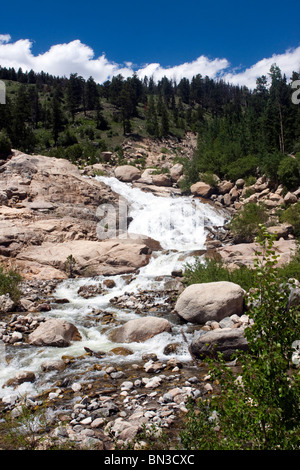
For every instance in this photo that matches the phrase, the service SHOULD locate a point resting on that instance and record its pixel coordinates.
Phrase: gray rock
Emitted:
(139, 330)
(201, 189)
(127, 173)
(226, 323)
(224, 340)
(6, 304)
(290, 198)
(58, 364)
(213, 301)
(54, 332)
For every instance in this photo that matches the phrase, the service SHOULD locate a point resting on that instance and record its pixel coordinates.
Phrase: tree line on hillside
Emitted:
(239, 130)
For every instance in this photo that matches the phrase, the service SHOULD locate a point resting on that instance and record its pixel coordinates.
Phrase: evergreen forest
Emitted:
(240, 131)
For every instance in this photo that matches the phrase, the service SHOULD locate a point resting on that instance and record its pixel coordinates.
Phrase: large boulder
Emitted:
(139, 330)
(281, 231)
(54, 332)
(225, 186)
(224, 340)
(201, 189)
(127, 173)
(213, 301)
(161, 180)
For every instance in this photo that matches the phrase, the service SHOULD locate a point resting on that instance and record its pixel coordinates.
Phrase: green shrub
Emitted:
(74, 152)
(292, 216)
(291, 270)
(5, 145)
(250, 180)
(9, 280)
(269, 164)
(67, 138)
(242, 167)
(213, 271)
(245, 225)
(289, 172)
(209, 178)
(58, 152)
(257, 404)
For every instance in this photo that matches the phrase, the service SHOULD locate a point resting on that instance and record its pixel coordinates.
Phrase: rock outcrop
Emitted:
(91, 258)
(49, 211)
(243, 254)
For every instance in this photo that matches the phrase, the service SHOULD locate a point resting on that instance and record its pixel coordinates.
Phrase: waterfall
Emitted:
(179, 224)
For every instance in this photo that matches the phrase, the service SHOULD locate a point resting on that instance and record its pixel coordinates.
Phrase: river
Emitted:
(179, 224)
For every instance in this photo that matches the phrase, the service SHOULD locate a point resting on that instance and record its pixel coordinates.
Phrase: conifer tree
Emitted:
(165, 126)
(91, 94)
(151, 118)
(57, 117)
(22, 134)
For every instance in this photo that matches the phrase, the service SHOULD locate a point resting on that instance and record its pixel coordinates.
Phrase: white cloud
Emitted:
(76, 57)
(202, 65)
(288, 62)
(4, 38)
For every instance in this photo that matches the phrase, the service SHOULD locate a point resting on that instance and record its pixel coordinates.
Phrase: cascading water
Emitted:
(179, 225)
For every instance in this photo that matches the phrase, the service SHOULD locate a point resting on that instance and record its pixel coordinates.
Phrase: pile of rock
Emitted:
(117, 415)
(159, 183)
(233, 195)
(226, 336)
(38, 331)
(18, 328)
(219, 308)
(87, 291)
(144, 301)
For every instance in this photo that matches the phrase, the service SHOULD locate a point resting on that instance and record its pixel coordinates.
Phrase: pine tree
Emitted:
(57, 117)
(91, 94)
(151, 118)
(22, 134)
(75, 92)
(165, 127)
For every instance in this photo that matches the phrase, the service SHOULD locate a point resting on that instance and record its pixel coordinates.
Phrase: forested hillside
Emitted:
(239, 130)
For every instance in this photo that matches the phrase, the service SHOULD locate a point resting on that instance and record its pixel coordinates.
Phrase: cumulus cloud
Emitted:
(288, 63)
(202, 65)
(76, 57)
(4, 38)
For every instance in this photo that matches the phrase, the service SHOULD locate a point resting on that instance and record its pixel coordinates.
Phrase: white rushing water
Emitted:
(179, 224)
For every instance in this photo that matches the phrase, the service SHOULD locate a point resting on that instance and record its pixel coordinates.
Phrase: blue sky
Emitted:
(230, 37)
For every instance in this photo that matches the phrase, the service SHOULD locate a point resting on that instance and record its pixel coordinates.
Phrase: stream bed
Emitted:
(180, 224)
